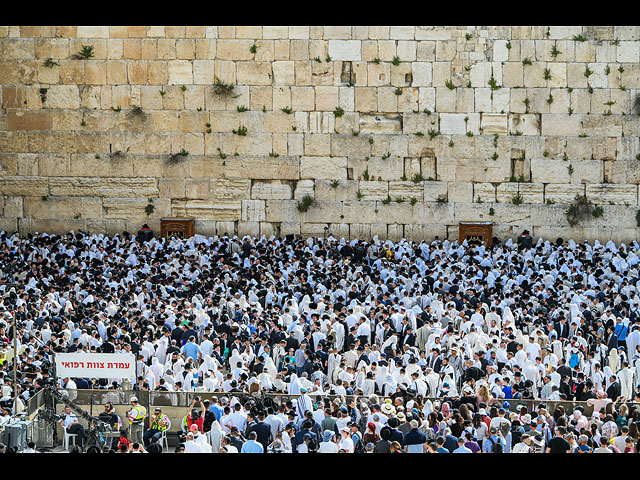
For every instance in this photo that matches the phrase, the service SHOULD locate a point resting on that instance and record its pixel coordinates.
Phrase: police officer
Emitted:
(136, 416)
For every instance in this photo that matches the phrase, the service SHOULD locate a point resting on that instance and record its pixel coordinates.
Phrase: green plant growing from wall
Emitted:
(526, 61)
(241, 131)
(598, 212)
(579, 38)
(413, 201)
(338, 112)
(554, 51)
(449, 84)
(517, 199)
(253, 49)
(398, 91)
(150, 208)
(86, 52)
(50, 63)
(376, 61)
(386, 201)
(223, 89)
(547, 74)
(579, 210)
(43, 94)
(417, 178)
(306, 203)
(242, 108)
(396, 61)
(359, 195)
(365, 175)
(335, 184)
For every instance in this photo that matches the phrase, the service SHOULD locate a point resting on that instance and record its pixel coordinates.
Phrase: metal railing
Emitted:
(152, 399)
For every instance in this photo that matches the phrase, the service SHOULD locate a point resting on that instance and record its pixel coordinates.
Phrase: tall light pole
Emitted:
(15, 364)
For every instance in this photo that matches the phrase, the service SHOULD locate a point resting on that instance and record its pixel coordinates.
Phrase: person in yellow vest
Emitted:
(158, 423)
(136, 418)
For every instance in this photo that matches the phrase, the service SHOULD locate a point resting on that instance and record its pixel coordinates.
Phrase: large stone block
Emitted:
(610, 193)
(230, 189)
(62, 207)
(544, 170)
(380, 124)
(103, 187)
(350, 50)
(207, 210)
(262, 168)
(323, 168)
(253, 211)
(529, 192)
(273, 190)
(336, 190)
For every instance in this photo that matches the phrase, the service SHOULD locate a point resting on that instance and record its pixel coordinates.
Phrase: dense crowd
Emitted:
(438, 339)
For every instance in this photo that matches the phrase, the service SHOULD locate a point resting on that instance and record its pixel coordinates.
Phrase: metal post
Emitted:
(15, 364)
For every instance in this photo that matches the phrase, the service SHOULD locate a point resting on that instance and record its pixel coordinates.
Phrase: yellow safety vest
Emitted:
(158, 425)
(137, 414)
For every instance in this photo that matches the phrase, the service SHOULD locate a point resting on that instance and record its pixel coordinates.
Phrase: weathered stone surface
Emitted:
(323, 168)
(607, 192)
(253, 211)
(64, 147)
(208, 210)
(112, 187)
(230, 189)
(545, 170)
(336, 190)
(64, 207)
(529, 192)
(273, 190)
(380, 124)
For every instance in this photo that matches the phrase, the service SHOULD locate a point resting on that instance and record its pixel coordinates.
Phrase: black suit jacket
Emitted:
(263, 432)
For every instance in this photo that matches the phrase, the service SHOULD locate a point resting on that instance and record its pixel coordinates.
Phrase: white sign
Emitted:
(96, 365)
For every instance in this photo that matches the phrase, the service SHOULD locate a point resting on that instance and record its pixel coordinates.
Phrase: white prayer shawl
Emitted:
(626, 382)
(294, 385)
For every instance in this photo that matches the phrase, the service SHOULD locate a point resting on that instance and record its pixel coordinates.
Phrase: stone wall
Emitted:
(393, 131)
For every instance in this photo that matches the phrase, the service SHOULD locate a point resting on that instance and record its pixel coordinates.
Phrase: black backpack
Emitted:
(516, 434)
(358, 447)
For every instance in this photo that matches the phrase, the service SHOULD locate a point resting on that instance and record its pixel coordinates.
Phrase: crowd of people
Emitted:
(383, 346)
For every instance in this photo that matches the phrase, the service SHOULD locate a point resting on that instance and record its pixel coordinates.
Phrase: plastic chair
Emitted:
(163, 438)
(68, 436)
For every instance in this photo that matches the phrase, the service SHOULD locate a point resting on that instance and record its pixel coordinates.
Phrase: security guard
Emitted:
(136, 416)
(157, 424)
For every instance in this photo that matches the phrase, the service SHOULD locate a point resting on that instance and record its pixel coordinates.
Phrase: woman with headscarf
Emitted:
(370, 436)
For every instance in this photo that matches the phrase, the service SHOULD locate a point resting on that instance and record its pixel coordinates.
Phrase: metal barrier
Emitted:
(152, 399)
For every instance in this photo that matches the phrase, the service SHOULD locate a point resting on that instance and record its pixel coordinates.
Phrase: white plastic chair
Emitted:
(163, 438)
(68, 436)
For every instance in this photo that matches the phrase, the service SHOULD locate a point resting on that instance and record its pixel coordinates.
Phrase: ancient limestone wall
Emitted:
(394, 131)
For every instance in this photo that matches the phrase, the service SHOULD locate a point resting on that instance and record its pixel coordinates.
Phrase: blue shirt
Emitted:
(217, 411)
(487, 444)
(251, 446)
(191, 349)
(462, 449)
